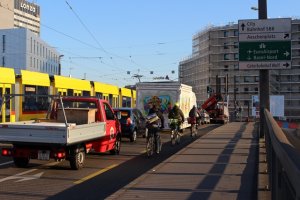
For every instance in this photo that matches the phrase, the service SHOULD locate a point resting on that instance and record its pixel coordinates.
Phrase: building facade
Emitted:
(22, 49)
(215, 61)
(20, 13)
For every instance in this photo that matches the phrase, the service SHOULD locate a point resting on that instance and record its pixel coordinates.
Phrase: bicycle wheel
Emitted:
(150, 146)
(173, 137)
(177, 137)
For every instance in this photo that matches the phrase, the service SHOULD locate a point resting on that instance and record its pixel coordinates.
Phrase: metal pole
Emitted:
(263, 77)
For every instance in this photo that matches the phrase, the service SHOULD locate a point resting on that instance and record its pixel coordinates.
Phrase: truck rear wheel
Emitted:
(77, 159)
(21, 161)
(117, 146)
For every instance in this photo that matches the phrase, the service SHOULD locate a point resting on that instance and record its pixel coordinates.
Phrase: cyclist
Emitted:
(176, 113)
(193, 116)
(154, 127)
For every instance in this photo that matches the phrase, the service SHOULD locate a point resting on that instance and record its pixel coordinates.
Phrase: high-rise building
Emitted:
(215, 55)
(20, 13)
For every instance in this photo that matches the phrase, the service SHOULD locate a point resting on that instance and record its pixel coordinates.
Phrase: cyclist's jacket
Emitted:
(176, 113)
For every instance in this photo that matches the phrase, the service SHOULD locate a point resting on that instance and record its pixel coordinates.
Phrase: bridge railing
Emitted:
(283, 162)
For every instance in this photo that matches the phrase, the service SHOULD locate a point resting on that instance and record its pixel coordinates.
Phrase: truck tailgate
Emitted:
(49, 132)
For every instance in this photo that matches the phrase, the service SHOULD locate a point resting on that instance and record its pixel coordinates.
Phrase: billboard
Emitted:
(276, 105)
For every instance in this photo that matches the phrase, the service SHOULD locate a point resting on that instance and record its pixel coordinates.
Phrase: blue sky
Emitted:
(103, 40)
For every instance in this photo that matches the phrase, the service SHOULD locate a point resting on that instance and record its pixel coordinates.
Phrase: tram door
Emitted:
(5, 105)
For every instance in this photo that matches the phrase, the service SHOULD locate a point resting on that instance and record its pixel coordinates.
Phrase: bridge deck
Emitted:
(220, 165)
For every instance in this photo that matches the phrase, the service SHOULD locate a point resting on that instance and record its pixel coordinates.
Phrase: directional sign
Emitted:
(265, 51)
(265, 44)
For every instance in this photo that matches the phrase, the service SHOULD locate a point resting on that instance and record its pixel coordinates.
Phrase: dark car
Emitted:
(133, 122)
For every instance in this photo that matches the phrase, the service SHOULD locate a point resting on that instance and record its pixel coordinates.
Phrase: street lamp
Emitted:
(59, 64)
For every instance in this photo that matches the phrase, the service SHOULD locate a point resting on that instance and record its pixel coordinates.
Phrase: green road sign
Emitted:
(265, 51)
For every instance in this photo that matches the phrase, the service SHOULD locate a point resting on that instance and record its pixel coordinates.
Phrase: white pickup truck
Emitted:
(74, 127)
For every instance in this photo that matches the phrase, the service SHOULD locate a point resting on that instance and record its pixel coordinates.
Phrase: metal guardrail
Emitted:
(283, 162)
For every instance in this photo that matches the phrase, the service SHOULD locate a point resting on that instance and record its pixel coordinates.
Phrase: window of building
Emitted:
(236, 67)
(288, 77)
(3, 61)
(3, 43)
(226, 45)
(246, 90)
(31, 45)
(247, 79)
(34, 46)
(226, 56)
(256, 89)
(236, 79)
(246, 103)
(225, 33)
(236, 45)
(256, 79)
(225, 68)
(236, 32)
(236, 56)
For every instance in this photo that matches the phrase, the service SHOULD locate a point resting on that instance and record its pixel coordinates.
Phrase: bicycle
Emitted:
(150, 145)
(175, 135)
(193, 122)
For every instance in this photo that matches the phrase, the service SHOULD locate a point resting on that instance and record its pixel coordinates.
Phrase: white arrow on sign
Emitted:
(286, 53)
(23, 177)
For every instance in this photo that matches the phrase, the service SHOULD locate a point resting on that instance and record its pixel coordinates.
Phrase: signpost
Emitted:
(265, 44)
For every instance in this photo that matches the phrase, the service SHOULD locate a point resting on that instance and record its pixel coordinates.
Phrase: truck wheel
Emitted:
(21, 162)
(133, 136)
(117, 146)
(77, 159)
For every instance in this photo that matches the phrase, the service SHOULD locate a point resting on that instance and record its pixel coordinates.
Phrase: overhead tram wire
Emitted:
(102, 48)
(89, 45)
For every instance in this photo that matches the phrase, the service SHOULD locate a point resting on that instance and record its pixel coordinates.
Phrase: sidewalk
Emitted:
(220, 165)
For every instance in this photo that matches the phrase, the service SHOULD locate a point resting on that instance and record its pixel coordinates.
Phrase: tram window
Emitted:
(110, 98)
(85, 93)
(34, 103)
(99, 94)
(70, 92)
(126, 102)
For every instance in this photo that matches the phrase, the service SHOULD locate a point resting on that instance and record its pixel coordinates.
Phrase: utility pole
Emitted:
(264, 98)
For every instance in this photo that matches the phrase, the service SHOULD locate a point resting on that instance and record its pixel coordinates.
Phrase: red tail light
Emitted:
(128, 121)
(60, 155)
(6, 152)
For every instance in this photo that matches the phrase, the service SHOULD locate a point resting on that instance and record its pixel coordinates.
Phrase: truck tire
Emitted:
(133, 136)
(21, 161)
(117, 146)
(77, 159)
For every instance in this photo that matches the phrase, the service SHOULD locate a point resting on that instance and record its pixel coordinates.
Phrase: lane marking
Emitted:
(17, 176)
(95, 174)
(7, 163)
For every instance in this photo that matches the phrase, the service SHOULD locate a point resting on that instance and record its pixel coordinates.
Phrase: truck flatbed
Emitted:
(50, 132)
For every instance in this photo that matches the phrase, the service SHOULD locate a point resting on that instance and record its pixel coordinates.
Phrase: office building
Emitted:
(215, 54)
(19, 13)
(22, 49)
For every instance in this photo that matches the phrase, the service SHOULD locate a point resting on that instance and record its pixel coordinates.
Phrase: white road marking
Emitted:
(6, 163)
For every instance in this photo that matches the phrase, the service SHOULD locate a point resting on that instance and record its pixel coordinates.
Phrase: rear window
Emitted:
(124, 115)
(78, 104)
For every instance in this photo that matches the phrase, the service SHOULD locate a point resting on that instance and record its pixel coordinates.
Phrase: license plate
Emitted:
(43, 154)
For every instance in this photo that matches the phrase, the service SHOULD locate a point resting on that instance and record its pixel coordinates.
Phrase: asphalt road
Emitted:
(102, 175)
